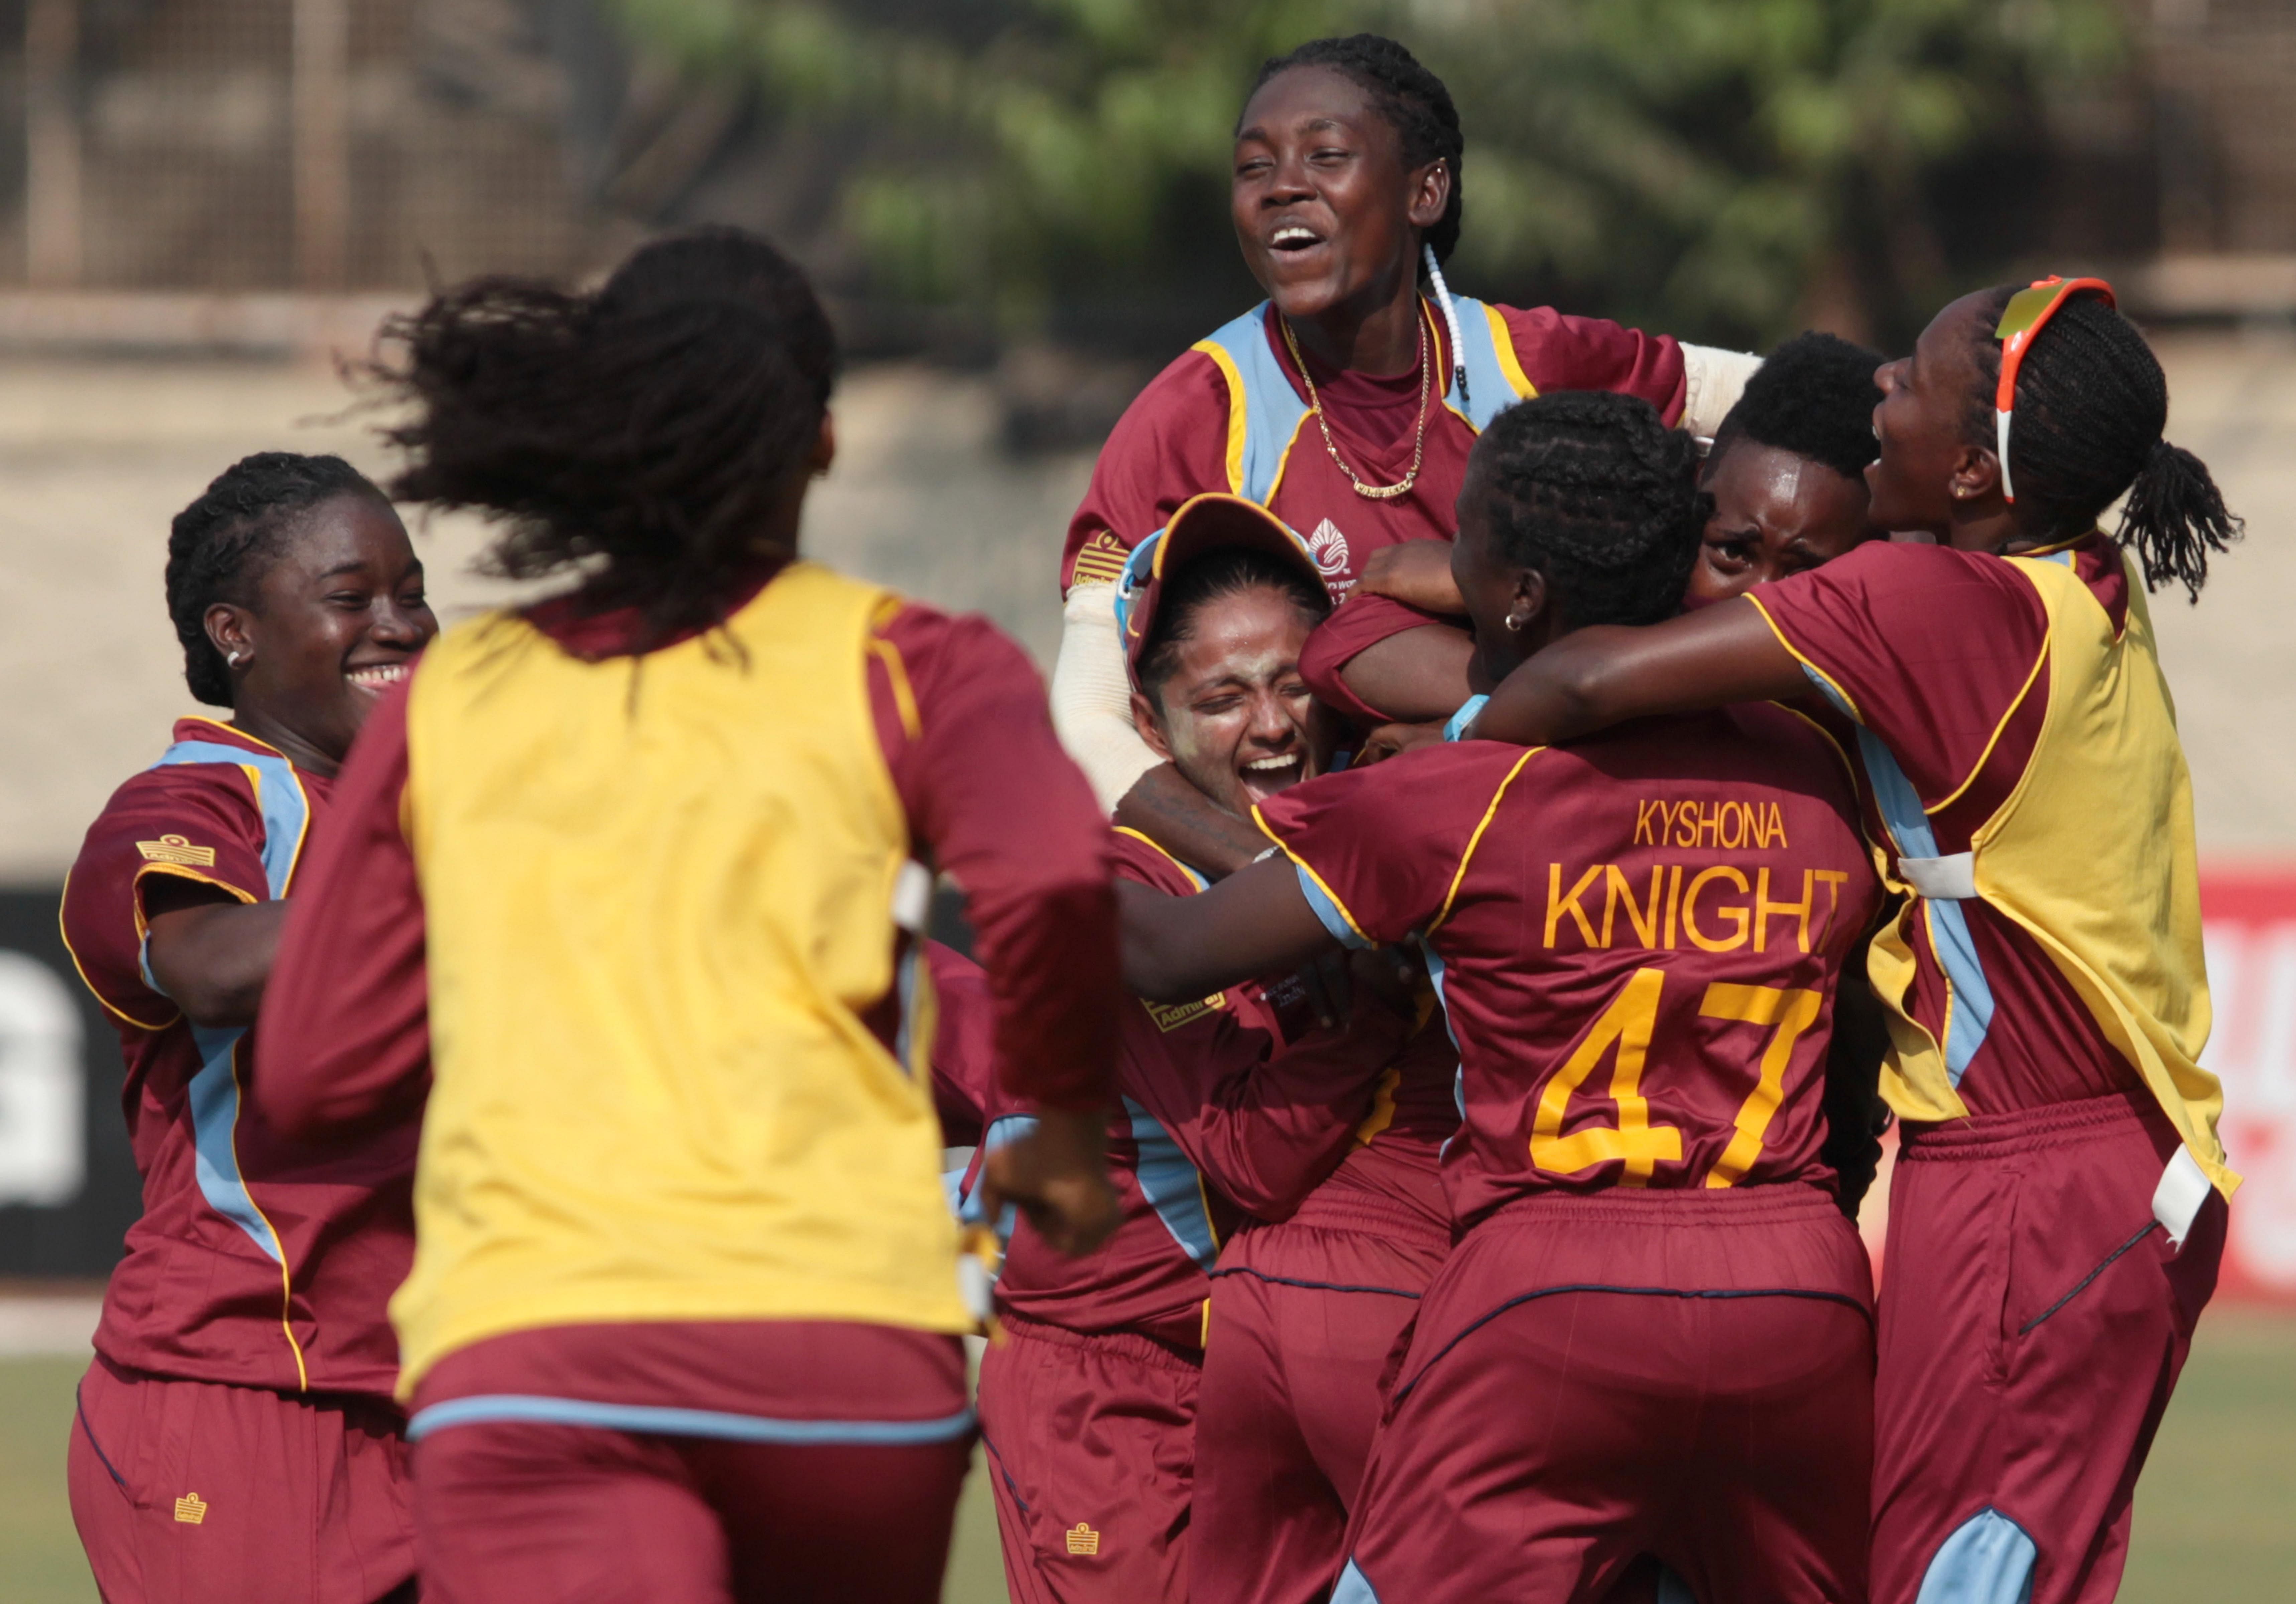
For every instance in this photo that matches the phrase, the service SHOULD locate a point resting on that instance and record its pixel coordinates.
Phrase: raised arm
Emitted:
(1595, 678)
(1256, 921)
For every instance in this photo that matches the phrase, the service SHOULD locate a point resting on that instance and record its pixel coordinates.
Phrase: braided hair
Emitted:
(1413, 99)
(1814, 397)
(643, 431)
(219, 547)
(1214, 577)
(2091, 404)
(1593, 490)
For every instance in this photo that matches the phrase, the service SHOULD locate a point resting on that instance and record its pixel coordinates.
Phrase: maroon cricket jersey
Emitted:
(1945, 655)
(259, 1261)
(1230, 1107)
(1172, 443)
(1397, 1155)
(1635, 939)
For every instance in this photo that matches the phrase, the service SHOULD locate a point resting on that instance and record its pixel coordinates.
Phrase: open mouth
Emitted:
(377, 678)
(1263, 777)
(1292, 238)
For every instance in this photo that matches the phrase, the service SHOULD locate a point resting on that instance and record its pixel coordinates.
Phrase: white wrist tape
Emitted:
(1092, 696)
(1712, 381)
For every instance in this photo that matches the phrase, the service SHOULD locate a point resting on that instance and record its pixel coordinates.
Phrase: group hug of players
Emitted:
(1561, 787)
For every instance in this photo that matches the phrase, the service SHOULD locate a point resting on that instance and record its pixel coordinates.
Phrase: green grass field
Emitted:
(2216, 1513)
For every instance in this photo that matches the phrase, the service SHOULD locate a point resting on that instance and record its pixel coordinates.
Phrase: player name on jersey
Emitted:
(1688, 903)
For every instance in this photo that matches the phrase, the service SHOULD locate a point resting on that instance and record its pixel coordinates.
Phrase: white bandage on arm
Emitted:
(1092, 696)
(1712, 381)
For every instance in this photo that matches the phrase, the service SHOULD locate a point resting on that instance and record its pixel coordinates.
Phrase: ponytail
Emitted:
(2092, 403)
(2175, 517)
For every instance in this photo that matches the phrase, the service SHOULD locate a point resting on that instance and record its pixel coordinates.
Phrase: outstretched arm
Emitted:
(1595, 678)
(1256, 921)
(1164, 806)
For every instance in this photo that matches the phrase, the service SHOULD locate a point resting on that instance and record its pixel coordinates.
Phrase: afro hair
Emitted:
(1814, 397)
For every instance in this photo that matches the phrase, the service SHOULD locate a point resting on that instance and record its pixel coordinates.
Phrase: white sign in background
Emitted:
(43, 1086)
(2252, 1050)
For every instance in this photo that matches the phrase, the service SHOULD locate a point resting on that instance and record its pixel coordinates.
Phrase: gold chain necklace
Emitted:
(1419, 436)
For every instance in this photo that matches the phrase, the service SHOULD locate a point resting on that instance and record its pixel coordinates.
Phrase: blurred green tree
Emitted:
(1716, 167)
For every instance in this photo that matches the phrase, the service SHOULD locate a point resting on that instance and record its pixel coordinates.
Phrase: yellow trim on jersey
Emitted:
(235, 731)
(1127, 830)
(135, 885)
(81, 969)
(1848, 702)
(1308, 870)
(1503, 341)
(1236, 419)
(1284, 462)
(278, 1245)
(1476, 839)
(1994, 739)
(896, 676)
(1848, 763)
(1881, 852)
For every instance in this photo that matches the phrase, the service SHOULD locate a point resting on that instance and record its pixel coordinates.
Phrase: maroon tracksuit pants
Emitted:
(1304, 1317)
(2034, 1319)
(1592, 1379)
(1091, 1448)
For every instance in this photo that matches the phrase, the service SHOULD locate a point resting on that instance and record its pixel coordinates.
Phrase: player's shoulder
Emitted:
(1188, 399)
(1427, 790)
(1902, 585)
(929, 641)
(1135, 856)
(1812, 740)
(204, 770)
(1536, 329)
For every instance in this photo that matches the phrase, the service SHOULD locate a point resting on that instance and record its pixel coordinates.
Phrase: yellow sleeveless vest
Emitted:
(659, 894)
(2092, 855)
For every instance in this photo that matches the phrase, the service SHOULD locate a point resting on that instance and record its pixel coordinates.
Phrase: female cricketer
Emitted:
(630, 882)
(1308, 1309)
(1787, 474)
(236, 1442)
(1655, 1336)
(1345, 403)
(2057, 1212)
(1234, 1107)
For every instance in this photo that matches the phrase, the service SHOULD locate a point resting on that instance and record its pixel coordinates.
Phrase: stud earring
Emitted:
(232, 660)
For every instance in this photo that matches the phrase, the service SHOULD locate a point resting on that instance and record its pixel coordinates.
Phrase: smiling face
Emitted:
(1930, 472)
(1774, 514)
(1328, 216)
(1234, 715)
(336, 618)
